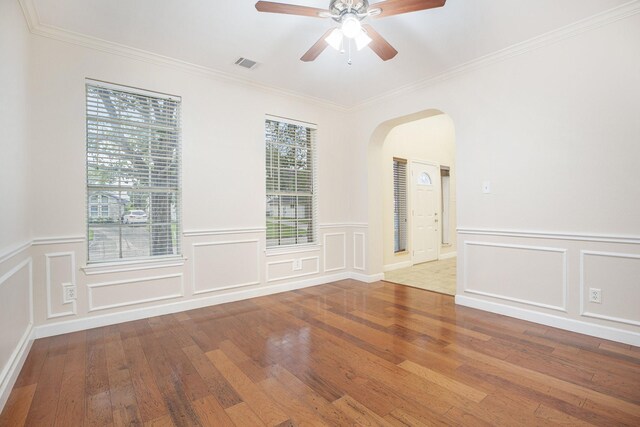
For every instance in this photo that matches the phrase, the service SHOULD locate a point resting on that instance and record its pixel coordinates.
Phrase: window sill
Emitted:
(285, 250)
(143, 264)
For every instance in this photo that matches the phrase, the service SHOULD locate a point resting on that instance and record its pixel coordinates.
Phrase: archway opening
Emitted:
(412, 201)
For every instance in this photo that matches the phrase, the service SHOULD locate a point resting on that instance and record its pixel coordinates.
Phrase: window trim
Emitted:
(306, 246)
(151, 259)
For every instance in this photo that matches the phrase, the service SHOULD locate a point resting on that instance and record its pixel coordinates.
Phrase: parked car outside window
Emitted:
(135, 217)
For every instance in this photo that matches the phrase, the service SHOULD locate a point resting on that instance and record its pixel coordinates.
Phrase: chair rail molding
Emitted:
(15, 250)
(553, 235)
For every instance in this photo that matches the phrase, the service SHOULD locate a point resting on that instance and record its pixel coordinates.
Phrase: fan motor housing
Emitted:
(341, 7)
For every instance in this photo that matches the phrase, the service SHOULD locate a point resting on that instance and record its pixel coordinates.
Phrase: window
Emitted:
(290, 162)
(133, 173)
(399, 205)
(445, 180)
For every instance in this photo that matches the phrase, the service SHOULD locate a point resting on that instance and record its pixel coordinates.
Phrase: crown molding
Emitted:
(590, 23)
(551, 37)
(60, 34)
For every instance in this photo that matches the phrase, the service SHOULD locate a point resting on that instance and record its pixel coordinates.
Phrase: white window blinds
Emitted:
(133, 170)
(400, 205)
(290, 164)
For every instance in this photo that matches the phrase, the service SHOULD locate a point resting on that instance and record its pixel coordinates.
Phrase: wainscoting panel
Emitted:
(225, 265)
(532, 275)
(617, 275)
(16, 320)
(60, 271)
(359, 255)
(335, 251)
(122, 293)
(292, 268)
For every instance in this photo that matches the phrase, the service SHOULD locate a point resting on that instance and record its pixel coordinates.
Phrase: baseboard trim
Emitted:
(397, 266)
(367, 278)
(57, 328)
(448, 255)
(599, 331)
(9, 375)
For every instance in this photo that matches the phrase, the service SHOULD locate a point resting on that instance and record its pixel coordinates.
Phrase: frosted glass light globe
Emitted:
(350, 25)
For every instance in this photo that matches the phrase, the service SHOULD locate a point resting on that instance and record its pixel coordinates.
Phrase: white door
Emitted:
(425, 234)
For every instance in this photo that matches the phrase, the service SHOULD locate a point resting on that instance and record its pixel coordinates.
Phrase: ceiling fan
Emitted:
(349, 14)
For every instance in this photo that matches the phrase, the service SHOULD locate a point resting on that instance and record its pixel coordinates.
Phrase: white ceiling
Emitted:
(214, 33)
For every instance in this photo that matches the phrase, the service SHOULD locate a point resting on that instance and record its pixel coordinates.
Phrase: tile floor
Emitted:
(437, 276)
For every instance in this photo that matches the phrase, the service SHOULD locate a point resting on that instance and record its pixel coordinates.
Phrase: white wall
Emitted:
(555, 129)
(15, 264)
(223, 182)
(14, 166)
(430, 139)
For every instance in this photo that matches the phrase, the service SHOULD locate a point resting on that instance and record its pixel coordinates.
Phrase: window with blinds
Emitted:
(133, 173)
(399, 205)
(290, 164)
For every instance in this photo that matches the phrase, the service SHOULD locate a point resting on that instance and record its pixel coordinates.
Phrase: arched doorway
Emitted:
(412, 199)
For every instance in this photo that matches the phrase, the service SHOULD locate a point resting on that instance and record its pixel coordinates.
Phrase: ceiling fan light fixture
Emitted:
(362, 40)
(335, 39)
(351, 26)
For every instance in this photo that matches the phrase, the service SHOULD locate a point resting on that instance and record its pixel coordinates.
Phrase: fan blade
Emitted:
(379, 45)
(317, 48)
(289, 9)
(396, 7)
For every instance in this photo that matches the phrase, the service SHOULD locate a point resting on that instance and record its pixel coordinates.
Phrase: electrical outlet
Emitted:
(68, 292)
(297, 264)
(595, 295)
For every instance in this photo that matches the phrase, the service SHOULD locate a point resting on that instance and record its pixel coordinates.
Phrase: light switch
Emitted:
(486, 187)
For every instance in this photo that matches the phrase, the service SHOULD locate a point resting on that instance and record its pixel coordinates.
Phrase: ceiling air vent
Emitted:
(246, 63)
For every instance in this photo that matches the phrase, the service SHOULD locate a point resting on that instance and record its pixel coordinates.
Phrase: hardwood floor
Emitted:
(345, 353)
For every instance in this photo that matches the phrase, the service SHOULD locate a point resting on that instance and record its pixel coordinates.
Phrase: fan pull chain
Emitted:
(349, 59)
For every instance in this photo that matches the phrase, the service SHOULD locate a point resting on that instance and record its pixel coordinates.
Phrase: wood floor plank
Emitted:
(98, 411)
(453, 386)
(18, 406)
(169, 383)
(123, 399)
(72, 396)
(325, 410)
(526, 376)
(341, 354)
(165, 421)
(148, 397)
(45, 400)
(211, 413)
(557, 417)
(359, 413)
(33, 365)
(219, 387)
(298, 412)
(242, 415)
(266, 409)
